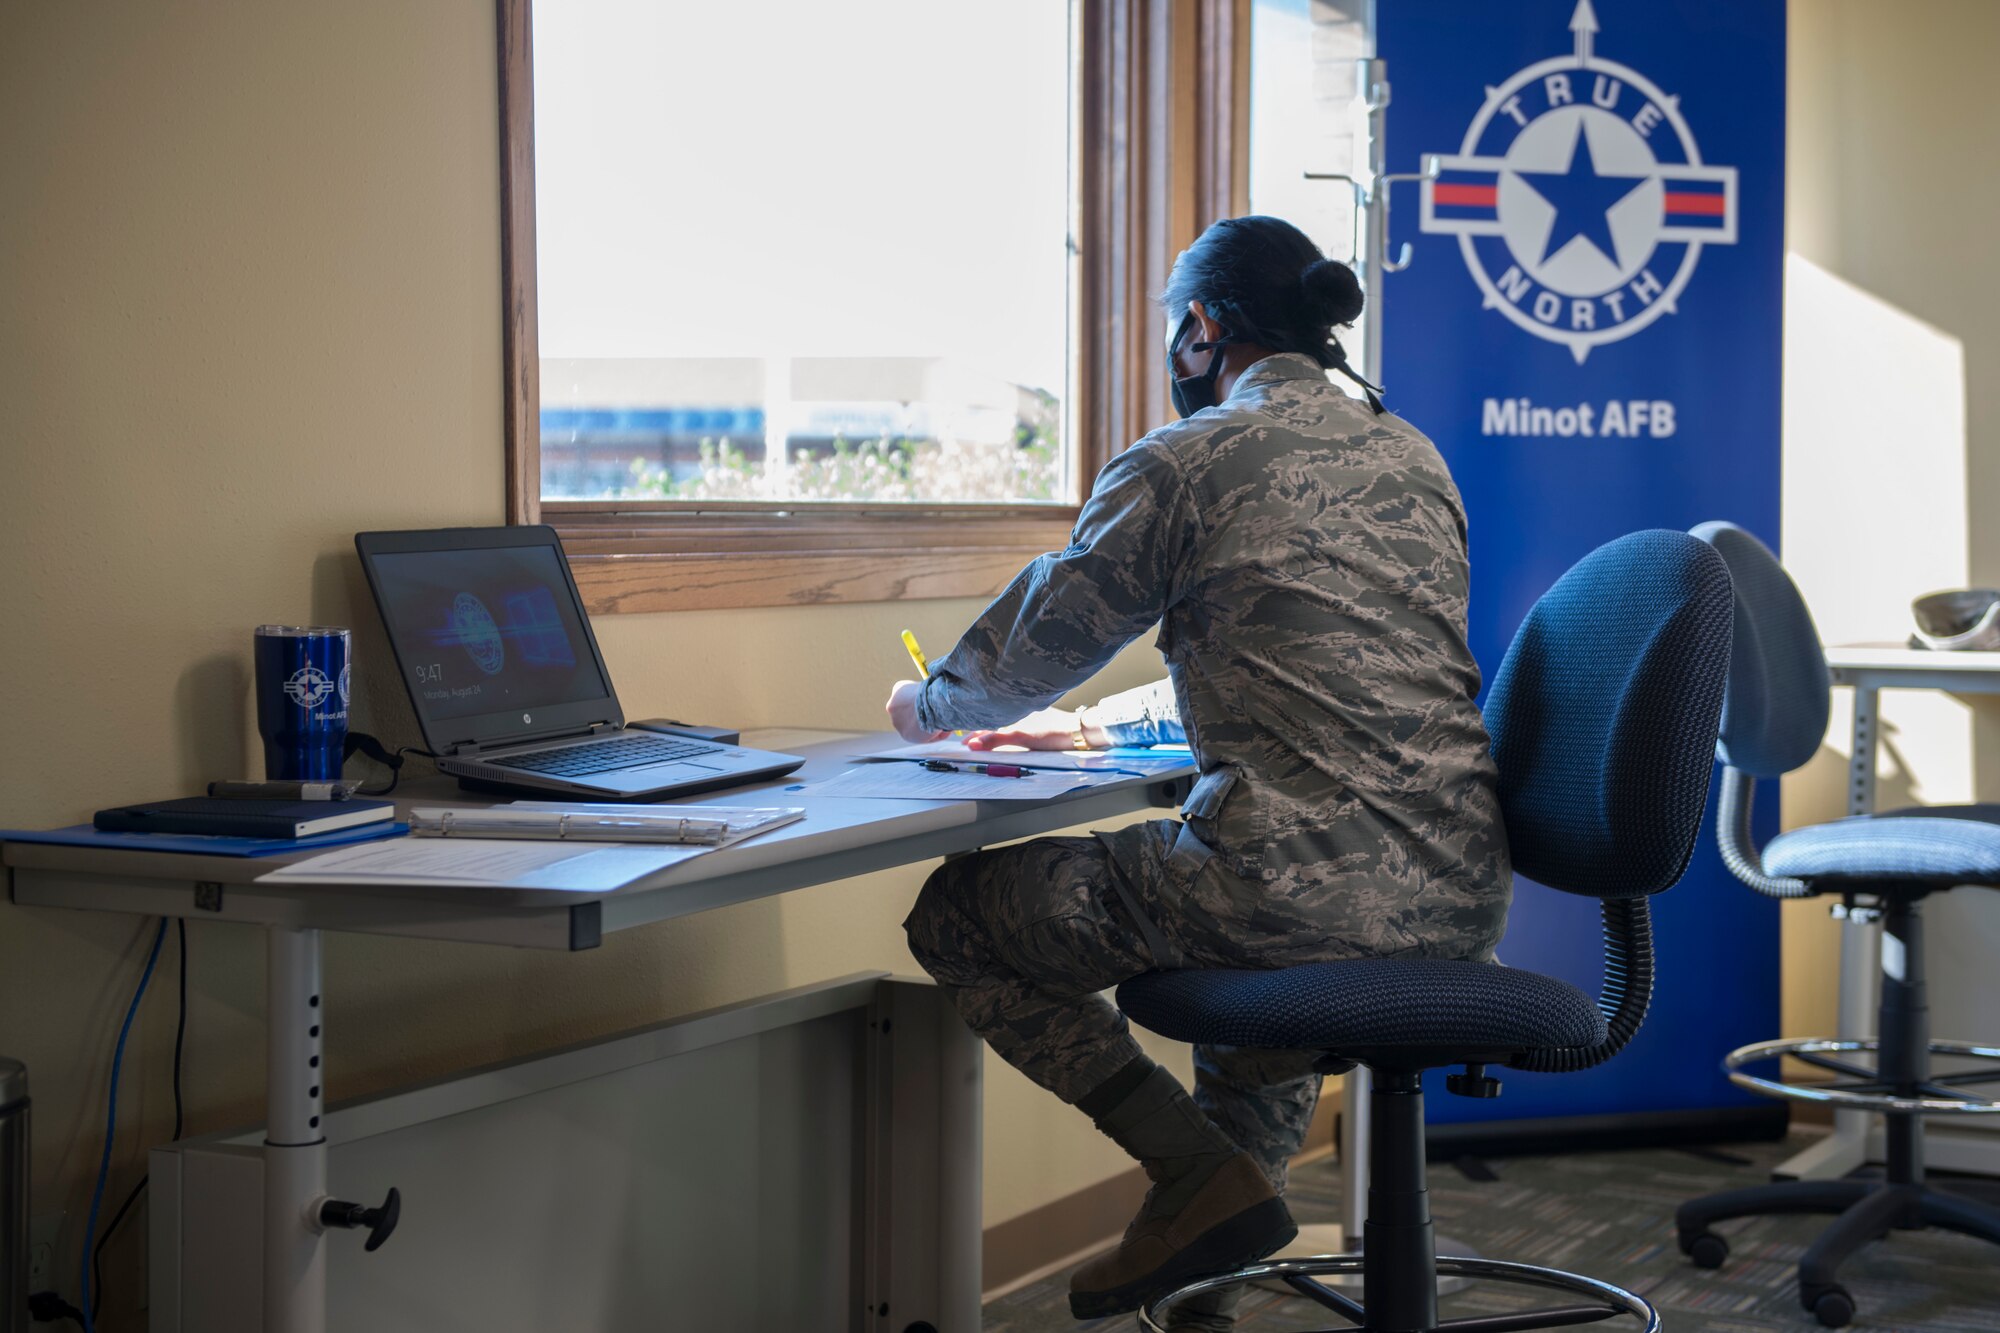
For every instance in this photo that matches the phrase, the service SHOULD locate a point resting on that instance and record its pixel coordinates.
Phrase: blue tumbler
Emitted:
(302, 685)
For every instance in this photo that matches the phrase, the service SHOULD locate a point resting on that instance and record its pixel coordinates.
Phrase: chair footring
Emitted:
(1298, 1274)
(1561, 1317)
(1867, 1089)
(1339, 1302)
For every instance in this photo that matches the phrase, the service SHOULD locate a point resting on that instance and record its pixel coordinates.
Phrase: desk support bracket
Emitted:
(586, 926)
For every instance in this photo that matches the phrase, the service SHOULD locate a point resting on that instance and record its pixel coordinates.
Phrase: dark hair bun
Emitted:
(1332, 292)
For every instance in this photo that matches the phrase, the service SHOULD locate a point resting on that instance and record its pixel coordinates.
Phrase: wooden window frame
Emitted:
(1160, 150)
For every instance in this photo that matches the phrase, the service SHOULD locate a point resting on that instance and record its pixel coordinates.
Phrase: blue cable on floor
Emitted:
(87, 1307)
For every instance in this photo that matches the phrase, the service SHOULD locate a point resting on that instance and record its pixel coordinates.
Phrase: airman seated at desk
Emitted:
(1304, 553)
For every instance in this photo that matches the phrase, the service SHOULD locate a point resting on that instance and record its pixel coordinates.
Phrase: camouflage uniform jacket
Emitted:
(1306, 562)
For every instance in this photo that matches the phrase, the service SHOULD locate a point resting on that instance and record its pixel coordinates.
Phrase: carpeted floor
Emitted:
(1610, 1216)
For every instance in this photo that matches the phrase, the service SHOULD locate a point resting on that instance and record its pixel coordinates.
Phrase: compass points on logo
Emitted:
(1580, 199)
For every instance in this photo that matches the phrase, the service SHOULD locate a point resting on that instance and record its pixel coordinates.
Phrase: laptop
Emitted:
(496, 651)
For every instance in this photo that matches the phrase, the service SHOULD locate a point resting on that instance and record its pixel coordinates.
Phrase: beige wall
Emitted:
(249, 257)
(250, 262)
(1892, 404)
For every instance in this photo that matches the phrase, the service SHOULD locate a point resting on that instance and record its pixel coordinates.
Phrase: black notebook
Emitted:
(243, 819)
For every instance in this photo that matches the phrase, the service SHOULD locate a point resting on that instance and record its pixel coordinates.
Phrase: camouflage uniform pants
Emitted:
(1024, 938)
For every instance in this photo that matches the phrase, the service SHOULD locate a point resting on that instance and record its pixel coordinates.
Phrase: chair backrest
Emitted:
(1604, 716)
(1774, 715)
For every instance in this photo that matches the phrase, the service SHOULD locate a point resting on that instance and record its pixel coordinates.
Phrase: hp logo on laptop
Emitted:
(527, 717)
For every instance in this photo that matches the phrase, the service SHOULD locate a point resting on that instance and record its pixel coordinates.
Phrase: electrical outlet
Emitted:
(44, 1233)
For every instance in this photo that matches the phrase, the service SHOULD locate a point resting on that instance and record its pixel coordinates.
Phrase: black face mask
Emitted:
(1192, 393)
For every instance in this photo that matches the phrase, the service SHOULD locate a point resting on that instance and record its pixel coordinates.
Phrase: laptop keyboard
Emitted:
(625, 752)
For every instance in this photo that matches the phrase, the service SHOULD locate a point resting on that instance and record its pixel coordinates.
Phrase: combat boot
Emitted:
(1210, 1208)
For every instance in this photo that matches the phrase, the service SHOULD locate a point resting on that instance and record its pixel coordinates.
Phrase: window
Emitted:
(799, 251)
(812, 302)
(1307, 115)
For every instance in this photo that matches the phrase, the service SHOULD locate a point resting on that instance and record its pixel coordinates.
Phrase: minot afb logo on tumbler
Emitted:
(308, 686)
(1579, 198)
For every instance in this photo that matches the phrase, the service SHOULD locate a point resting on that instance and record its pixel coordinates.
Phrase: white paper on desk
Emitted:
(486, 863)
(914, 782)
(1082, 761)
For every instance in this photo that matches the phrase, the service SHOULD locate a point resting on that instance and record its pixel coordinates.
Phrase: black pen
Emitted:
(284, 791)
(1026, 769)
(990, 770)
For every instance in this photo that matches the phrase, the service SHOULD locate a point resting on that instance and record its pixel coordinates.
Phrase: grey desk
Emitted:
(836, 840)
(1870, 669)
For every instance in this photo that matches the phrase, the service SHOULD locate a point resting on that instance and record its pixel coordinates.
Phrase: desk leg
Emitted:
(294, 1147)
(961, 1101)
(1354, 1156)
(1860, 947)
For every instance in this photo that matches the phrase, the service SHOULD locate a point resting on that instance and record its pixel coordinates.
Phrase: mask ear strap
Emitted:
(1219, 311)
(1215, 345)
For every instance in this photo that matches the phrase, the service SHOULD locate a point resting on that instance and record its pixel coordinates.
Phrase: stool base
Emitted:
(1866, 1210)
(1901, 1086)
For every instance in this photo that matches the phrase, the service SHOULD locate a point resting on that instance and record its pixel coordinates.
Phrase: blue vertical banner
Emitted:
(1591, 332)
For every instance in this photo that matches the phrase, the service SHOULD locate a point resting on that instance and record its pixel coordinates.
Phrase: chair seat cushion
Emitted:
(1366, 1003)
(1931, 844)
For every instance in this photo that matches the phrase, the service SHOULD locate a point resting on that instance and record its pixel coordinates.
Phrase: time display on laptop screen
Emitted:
(487, 631)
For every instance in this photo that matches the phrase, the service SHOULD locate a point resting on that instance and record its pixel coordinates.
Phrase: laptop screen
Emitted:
(483, 631)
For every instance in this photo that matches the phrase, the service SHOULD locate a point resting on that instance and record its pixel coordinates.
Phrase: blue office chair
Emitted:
(1881, 866)
(1603, 718)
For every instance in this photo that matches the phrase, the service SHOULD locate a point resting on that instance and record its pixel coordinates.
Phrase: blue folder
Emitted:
(84, 835)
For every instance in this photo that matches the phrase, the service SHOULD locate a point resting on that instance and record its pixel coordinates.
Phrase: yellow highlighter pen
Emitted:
(917, 655)
(923, 663)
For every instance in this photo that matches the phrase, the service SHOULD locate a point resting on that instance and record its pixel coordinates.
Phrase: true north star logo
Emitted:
(1579, 198)
(309, 686)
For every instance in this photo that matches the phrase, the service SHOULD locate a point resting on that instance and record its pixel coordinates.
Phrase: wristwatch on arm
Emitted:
(1090, 733)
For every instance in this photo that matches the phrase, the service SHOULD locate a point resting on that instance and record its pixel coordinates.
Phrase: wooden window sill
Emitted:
(683, 559)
